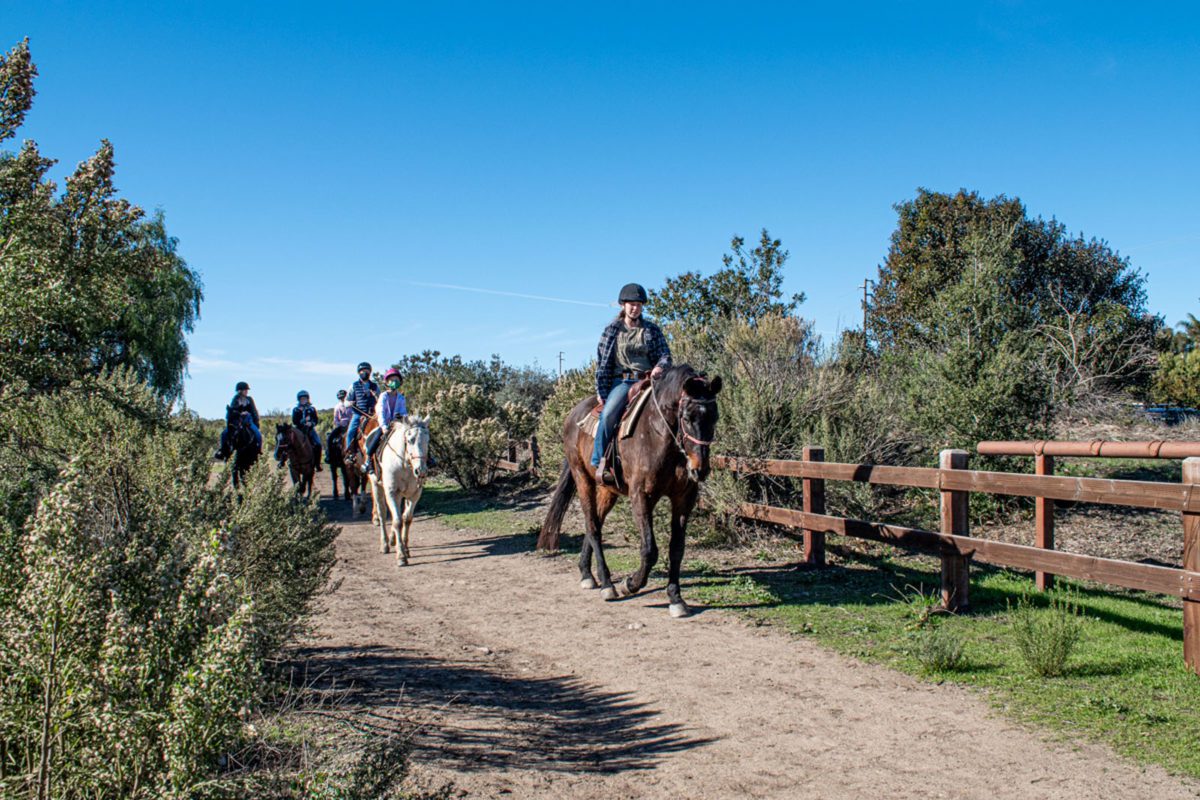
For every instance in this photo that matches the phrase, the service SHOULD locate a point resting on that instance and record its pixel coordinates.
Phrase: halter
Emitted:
(681, 431)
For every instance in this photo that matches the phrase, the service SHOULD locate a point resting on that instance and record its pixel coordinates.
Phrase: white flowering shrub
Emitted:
(138, 601)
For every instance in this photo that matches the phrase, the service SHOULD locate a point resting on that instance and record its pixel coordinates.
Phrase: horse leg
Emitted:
(643, 514)
(681, 509)
(395, 505)
(410, 506)
(591, 539)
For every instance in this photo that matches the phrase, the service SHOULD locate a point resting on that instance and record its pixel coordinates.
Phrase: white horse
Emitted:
(403, 461)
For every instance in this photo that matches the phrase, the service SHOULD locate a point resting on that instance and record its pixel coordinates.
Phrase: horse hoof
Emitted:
(679, 610)
(587, 583)
(403, 562)
(609, 593)
(626, 589)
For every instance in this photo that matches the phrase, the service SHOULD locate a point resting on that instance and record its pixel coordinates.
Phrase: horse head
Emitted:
(694, 396)
(415, 430)
(282, 436)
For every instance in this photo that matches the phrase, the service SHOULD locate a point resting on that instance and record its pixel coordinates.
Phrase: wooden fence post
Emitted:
(1043, 520)
(814, 503)
(1191, 561)
(955, 509)
(535, 457)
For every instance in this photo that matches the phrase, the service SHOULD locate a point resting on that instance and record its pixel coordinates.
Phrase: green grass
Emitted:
(1125, 683)
(457, 509)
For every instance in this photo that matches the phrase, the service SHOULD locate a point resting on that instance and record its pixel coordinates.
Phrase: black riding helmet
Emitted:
(242, 385)
(632, 293)
(364, 365)
(341, 395)
(302, 393)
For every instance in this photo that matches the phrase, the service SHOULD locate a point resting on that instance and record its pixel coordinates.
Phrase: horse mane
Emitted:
(683, 378)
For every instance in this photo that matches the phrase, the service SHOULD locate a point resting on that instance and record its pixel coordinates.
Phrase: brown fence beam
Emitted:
(955, 522)
(1191, 561)
(1131, 575)
(814, 503)
(1135, 494)
(1100, 448)
(1043, 521)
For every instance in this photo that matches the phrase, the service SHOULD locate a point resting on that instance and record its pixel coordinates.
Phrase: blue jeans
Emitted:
(314, 438)
(614, 406)
(352, 429)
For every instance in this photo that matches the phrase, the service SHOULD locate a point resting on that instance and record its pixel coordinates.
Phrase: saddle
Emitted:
(638, 395)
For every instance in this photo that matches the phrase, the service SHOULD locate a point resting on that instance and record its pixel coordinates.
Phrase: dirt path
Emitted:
(536, 688)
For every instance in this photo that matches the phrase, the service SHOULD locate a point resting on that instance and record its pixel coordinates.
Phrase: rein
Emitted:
(679, 431)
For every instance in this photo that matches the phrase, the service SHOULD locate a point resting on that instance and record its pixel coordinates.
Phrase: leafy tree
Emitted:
(748, 287)
(88, 282)
(1177, 379)
(961, 268)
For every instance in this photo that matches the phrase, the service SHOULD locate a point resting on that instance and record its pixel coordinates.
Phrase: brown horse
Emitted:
(665, 456)
(335, 443)
(356, 463)
(293, 447)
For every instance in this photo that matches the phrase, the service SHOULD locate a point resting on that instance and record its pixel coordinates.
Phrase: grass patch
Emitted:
(456, 508)
(1125, 683)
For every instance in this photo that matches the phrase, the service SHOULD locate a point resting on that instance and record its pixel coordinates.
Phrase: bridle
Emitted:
(413, 461)
(679, 432)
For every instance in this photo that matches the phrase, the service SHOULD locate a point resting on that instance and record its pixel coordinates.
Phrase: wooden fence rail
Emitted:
(1044, 452)
(957, 548)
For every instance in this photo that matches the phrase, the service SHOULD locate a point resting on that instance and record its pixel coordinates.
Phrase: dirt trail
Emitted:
(536, 688)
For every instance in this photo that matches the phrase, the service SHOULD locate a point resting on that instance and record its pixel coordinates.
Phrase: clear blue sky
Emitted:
(322, 164)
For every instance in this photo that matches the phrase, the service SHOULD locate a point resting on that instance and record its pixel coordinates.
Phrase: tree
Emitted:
(748, 287)
(1080, 305)
(88, 282)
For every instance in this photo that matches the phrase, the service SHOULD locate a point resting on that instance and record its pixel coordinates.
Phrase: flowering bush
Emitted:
(138, 601)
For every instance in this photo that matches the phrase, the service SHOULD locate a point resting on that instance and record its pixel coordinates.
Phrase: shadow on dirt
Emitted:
(559, 723)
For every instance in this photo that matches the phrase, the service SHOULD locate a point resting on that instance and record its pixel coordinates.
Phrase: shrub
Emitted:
(939, 649)
(138, 606)
(1046, 637)
(466, 434)
(572, 387)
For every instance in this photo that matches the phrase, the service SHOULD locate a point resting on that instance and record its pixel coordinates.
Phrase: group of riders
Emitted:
(631, 348)
(354, 404)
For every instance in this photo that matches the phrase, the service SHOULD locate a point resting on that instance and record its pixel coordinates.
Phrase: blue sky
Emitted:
(330, 169)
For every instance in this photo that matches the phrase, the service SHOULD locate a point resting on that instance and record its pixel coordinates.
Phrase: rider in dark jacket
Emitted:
(362, 396)
(242, 403)
(631, 348)
(304, 417)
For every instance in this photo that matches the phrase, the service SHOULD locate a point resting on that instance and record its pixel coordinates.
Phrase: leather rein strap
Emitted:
(679, 430)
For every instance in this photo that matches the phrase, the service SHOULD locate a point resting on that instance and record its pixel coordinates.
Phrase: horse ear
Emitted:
(715, 385)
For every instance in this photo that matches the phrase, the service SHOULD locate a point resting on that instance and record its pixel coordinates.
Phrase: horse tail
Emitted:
(564, 490)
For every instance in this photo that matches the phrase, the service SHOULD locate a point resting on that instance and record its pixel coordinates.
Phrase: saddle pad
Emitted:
(630, 417)
(589, 424)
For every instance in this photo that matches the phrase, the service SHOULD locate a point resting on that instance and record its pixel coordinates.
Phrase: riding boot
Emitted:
(318, 460)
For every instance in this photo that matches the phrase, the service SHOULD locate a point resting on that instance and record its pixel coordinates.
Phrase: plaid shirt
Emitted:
(606, 353)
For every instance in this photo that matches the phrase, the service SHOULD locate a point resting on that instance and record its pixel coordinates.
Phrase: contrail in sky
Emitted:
(509, 294)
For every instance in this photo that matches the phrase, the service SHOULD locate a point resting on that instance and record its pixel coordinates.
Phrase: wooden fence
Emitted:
(523, 455)
(1044, 452)
(957, 548)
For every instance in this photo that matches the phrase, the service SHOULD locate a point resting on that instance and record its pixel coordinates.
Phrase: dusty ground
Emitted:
(533, 688)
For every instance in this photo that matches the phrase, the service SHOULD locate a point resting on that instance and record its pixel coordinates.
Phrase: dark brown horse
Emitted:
(666, 456)
(293, 447)
(335, 444)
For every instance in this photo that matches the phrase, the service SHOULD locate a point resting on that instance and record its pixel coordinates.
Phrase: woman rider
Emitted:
(631, 348)
(391, 406)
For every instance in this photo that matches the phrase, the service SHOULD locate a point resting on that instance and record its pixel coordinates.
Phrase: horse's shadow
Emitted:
(494, 720)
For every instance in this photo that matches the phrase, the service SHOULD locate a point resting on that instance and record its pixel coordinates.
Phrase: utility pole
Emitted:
(865, 283)
(560, 355)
